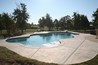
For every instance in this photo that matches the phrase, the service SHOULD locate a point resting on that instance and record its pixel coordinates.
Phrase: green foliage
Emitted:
(80, 21)
(65, 22)
(8, 57)
(84, 22)
(96, 24)
(47, 21)
(7, 23)
(13, 24)
(41, 22)
(95, 15)
(21, 17)
(56, 24)
(2, 26)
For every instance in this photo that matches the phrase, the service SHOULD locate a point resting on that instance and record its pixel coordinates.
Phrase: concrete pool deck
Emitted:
(81, 48)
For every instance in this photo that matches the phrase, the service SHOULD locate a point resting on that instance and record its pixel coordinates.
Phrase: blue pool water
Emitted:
(40, 40)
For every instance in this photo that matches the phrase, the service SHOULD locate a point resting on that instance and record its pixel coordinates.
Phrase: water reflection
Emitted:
(54, 36)
(46, 37)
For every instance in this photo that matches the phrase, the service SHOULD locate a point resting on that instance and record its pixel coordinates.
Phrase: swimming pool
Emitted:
(41, 40)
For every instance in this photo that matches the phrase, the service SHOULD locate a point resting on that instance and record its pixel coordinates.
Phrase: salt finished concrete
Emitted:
(81, 48)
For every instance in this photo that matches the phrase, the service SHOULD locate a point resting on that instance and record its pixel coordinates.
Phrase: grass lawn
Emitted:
(30, 31)
(8, 57)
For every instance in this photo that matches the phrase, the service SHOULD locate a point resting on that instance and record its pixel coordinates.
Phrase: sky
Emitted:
(56, 8)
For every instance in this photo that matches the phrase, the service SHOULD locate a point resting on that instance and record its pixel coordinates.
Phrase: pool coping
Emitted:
(37, 33)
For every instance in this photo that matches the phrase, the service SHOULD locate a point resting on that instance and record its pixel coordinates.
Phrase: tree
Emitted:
(64, 22)
(49, 22)
(8, 22)
(21, 17)
(56, 24)
(42, 22)
(2, 26)
(70, 24)
(76, 20)
(95, 15)
(80, 21)
(41, 25)
(84, 22)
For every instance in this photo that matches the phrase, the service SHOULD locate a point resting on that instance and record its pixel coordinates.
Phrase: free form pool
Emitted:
(41, 40)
